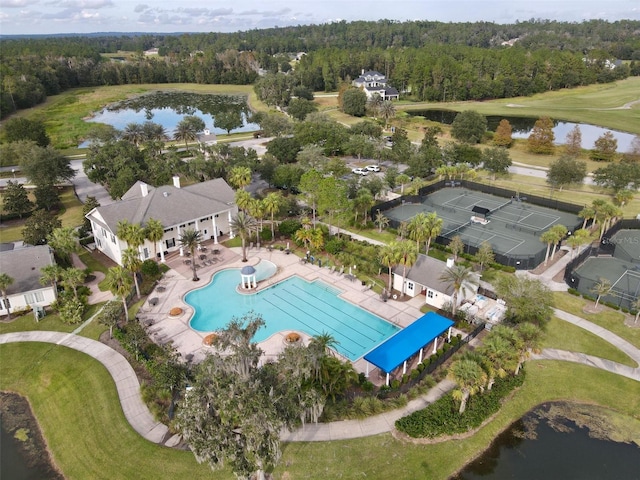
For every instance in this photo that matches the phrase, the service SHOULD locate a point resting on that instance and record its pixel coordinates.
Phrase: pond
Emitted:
(556, 440)
(169, 108)
(522, 127)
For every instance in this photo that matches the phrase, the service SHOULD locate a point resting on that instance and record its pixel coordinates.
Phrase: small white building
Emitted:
(23, 265)
(207, 207)
(423, 278)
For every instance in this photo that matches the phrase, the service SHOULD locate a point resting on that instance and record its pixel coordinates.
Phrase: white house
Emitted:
(373, 82)
(207, 138)
(423, 278)
(207, 207)
(23, 265)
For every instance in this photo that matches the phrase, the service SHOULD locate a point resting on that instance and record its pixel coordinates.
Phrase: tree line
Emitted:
(469, 60)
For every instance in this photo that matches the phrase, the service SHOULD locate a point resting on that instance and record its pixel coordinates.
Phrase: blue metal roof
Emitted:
(407, 342)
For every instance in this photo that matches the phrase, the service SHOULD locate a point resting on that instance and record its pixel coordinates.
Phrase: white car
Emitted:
(360, 171)
(373, 168)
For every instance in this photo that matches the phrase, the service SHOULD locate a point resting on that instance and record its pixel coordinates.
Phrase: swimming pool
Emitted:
(293, 304)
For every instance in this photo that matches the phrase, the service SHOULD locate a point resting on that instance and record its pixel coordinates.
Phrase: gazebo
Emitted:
(403, 345)
(248, 277)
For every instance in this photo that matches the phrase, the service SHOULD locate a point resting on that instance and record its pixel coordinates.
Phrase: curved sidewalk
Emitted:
(124, 377)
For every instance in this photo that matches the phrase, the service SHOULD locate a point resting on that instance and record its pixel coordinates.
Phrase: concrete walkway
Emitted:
(135, 411)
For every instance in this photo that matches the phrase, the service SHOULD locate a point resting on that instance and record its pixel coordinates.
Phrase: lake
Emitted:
(546, 444)
(169, 108)
(522, 127)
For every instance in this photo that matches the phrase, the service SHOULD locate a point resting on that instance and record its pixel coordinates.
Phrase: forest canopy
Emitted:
(425, 60)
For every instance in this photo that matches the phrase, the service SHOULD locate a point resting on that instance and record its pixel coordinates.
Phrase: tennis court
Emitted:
(512, 226)
(622, 270)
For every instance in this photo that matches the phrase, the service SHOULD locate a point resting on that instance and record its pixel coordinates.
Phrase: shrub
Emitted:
(395, 384)
(574, 292)
(289, 227)
(150, 268)
(335, 246)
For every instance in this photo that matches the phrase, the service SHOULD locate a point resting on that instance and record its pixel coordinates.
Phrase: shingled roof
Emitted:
(23, 265)
(169, 204)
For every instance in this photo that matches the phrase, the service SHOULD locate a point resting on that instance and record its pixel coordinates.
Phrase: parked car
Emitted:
(373, 168)
(360, 171)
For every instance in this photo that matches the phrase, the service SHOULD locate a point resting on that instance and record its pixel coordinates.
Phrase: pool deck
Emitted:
(176, 283)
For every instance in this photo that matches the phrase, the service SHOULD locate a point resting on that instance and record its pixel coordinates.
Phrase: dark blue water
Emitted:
(565, 452)
(522, 127)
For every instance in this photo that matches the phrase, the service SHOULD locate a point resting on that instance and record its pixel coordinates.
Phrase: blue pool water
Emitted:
(293, 304)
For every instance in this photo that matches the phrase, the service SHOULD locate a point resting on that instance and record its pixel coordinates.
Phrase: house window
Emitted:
(410, 285)
(204, 219)
(145, 252)
(191, 223)
(104, 233)
(168, 230)
(182, 226)
(430, 293)
(34, 297)
(171, 242)
(113, 238)
(99, 243)
(6, 303)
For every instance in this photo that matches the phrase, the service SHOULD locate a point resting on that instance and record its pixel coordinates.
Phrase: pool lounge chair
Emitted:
(341, 270)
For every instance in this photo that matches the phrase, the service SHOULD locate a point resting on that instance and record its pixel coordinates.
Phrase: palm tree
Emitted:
(381, 221)
(243, 200)
(304, 236)
(132, 233)
(587, 213)
(64, 241)
(434, 227)
(403, 179)
(51, 275)
(559, 232)
(154, 232)
(418, 229)
(622, 197)
(133, 133)
(580, 237)
(271, 204)
(522, 340)
(5, 282)
(547, 237)
(185, 132)
(461, 279)
(389, 258)
(373, 103)
(323, 343)
(499, 356)
(119, 283)
(407, 256)
(131, 261)
(363, 202)
(601, 287)
(485, 254)
(256, 210)
(470, 378)
(72, 278)
(190, 239)
(240, 177)
(387, 110)
(243, 225)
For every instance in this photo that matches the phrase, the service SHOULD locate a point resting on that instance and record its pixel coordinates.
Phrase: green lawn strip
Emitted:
(51, 322)
(566, 336)
(608, 318)
(76, 403)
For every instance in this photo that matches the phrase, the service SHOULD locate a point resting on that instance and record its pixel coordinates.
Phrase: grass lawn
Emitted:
(608, 318)
(594, 104)
(64, 113)
(52, 322)
(566, 336)
(70, 215)
(76, 404)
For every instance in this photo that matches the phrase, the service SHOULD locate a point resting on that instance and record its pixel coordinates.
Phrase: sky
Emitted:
(168, 16)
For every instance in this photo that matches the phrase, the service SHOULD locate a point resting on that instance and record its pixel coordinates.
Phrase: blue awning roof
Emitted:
(407, 342)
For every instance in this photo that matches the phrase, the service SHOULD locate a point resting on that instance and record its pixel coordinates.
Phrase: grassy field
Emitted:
(70, 215)
(76, 404)
(65, 113)
(607, 318)
(565, 336)
(595, 104)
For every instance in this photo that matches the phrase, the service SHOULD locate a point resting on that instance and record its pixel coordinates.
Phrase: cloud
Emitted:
(18, 3)
(141, 7)
(82, 4)
(265, 13)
